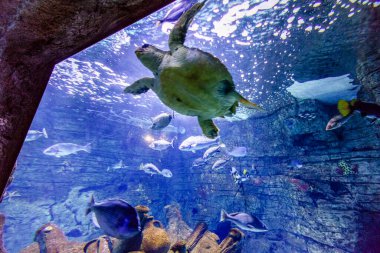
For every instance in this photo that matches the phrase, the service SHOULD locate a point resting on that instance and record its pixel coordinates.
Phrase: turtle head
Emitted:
(150, 56)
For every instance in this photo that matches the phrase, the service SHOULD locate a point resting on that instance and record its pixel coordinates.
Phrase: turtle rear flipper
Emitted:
(248, 103)
(140, 86)
(178, 34)
(209, 129)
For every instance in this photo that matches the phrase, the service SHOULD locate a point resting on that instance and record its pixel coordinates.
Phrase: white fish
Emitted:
(166, 173)
(199, 142)
(328, 90)
(198, 162)
(10, 195)
(116, 166)
(161, 145)
(64, 149)
(35, 134)
(212, 151)
(237, 152)
(244, 221)
(149, 168)
(161, 121)
(219, 164)
(174, 129)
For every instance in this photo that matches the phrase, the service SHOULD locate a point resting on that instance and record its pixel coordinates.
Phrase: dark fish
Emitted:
(161, 121)
(176, 12)
(370, 110)
(244, 221)
(115, 217)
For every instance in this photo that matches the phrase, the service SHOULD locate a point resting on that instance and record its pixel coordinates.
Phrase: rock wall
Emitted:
(313, 208)
(35, 35)
(297, 187)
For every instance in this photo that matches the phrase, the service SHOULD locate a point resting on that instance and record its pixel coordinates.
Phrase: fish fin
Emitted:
(45, 133)
(87, 148)
(223, 215)
(90, 204)
(88, 244)
(248, 104)
(193, 151)
(95, 220)
(344, 107)
(171, 143)
(173, 114)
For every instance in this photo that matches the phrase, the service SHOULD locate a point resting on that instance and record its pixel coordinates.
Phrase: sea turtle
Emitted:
(188, 80)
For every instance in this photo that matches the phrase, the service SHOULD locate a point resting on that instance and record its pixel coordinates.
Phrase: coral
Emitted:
(197, 234)
(231, 242)
(179, 247)
(155, 238)
(345, 169)
(143, 214)
(50, 238)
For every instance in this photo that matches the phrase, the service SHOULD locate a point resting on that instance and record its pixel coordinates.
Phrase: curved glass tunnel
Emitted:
(315, 190)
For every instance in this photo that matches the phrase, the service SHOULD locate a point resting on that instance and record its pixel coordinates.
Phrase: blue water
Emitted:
(263, 46)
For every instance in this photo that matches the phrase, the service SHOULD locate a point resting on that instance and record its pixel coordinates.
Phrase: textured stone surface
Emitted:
(313, 208)
(2, 221)
(177, 228)
(35, 35)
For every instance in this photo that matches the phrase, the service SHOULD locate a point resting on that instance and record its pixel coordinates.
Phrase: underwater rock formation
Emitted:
(177, 228)
(367, 69)
(154, 239)
(35, 36)
(2, 221)
(50, 238)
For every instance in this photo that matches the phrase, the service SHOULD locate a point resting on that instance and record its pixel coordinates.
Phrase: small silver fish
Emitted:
(166, 173)
(219, 164)
(244, 221)
(199, 162)
(194, 143)
(64, 149)
(149, 168)
(161, 145)
(174, 129)
(176, 11)
(161, 121)
(115, 217)
(116, 166)
(212, 151)
(35, 134)
(237, 152)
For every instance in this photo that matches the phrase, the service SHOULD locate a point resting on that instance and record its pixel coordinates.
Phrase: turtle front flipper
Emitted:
(178, 34)
(140, 86)
(209, 129)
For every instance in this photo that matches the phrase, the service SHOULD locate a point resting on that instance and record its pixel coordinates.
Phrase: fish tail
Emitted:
(44, 133)
(87, 148)
(248, 103)
(223, 215)
(344, 107)
(90, 204)
(171, 143)
(223, 147)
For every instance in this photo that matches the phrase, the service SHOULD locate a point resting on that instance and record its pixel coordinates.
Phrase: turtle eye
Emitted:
(145, 46)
